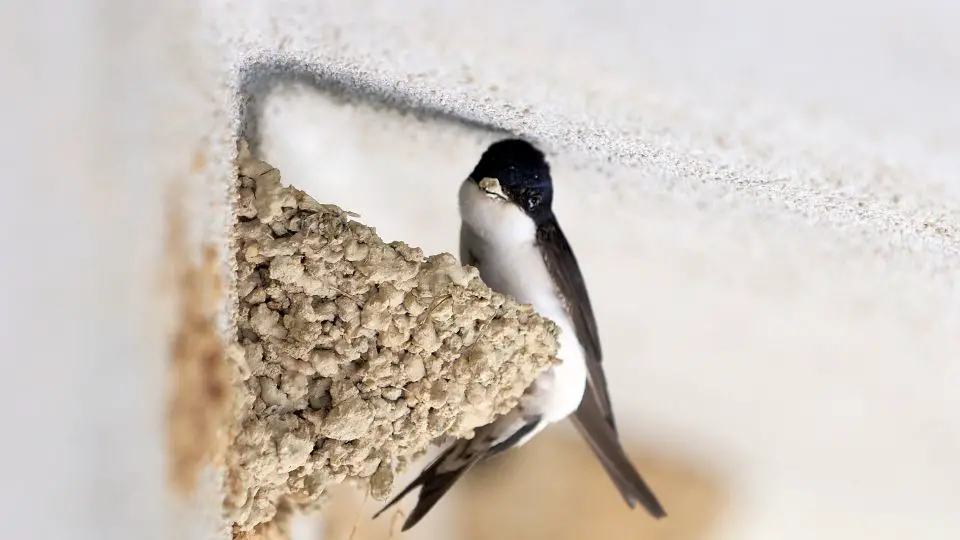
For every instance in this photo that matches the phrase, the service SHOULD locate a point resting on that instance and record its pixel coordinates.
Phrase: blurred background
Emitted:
(763, 197)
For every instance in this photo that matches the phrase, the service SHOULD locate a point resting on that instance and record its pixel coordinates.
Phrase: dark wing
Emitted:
(603, 441)
(436, 480)
(563, 267)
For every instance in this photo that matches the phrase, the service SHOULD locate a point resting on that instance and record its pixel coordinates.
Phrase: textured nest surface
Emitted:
(356, 354)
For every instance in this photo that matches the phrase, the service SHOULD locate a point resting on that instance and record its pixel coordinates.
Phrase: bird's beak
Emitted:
(491, 186)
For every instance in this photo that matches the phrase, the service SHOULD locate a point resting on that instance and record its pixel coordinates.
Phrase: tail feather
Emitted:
(436, 482)
(432, 491)
(419, 480)
(590, 422)
(505, 433)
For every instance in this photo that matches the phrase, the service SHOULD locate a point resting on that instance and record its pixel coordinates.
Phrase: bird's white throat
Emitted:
(496, 220)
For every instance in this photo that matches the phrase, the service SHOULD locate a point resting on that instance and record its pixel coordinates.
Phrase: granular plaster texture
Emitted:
(356, 354)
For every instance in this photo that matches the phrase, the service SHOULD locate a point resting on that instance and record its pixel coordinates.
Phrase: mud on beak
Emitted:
(491, 187)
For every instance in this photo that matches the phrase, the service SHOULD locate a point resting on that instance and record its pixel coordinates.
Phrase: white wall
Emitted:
(103, 114)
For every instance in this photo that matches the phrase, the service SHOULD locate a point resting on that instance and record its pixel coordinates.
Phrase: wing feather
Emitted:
(563, 267)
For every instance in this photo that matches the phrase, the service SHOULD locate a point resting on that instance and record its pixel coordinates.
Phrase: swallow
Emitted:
(510, 234)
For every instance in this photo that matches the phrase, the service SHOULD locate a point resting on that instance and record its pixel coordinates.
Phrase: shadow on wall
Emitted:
(553, 488)
(261, 77)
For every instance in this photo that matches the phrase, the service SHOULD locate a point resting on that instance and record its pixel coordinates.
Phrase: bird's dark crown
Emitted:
(523, 173)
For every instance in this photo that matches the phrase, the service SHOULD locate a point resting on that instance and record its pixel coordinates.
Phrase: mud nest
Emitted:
(356, 354)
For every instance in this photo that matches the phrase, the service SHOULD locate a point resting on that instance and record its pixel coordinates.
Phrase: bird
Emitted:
(510, 233)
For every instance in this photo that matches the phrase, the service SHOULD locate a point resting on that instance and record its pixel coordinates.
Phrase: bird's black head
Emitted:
(523, 174)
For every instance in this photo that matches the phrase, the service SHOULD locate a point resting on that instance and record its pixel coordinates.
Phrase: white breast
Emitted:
(504, 241)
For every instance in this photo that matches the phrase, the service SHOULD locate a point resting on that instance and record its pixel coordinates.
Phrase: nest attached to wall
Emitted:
(356, 354)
